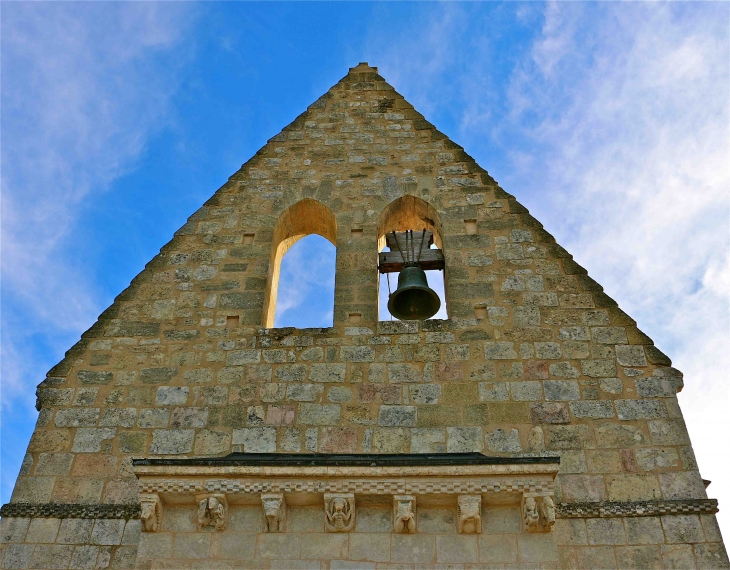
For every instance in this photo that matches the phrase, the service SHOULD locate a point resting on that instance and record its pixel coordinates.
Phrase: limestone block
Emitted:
(457, 549)
(464, 439)
(678, 556)
(319, 414)
(630, 355)
(595, 409)
(256, 439)
(638, 557)
(18, 555)
(503, 441)
(51, 556)
(561, 390)
(192, 546)
(499, 351)
(54, 463)
(43, 530)
(371, 547)
(682, 529)
(156, 546)
(640, 409)
(403, 373)
(606, 531)
(172, 395)
(711, 556)
(172, 441)
(327, 372)
(537, 547)
(526, 391)
(498, 549)
(644, 530)
(77, 417)
(107, 531)
(324, 546)
(90, 440)
(412, 548)
(397, 416)
(493, 391)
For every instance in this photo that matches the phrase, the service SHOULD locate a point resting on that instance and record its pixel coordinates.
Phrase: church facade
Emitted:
(536, 427)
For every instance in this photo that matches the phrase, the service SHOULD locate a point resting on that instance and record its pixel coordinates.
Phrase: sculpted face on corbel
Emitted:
(339, 512)
(404, 514)
(470, 514)
(274, 511)
(212, 511)
(151, 512)
(538, 512)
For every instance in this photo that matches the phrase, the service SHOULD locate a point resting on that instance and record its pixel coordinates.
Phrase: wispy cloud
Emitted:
(83, 91)
(80, 99)
(637, 172)
(307, 284)
(613, 130)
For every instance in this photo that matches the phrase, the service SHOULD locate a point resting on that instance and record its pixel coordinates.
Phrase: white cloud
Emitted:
(637, 171)
(616, 132)
(82, 92)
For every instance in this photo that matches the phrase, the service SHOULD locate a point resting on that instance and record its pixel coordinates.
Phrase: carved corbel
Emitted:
(339, 512)
(470, 514)
(212, 511)
(274, 511)
(404, 514)
(538, 512)
(151, 512)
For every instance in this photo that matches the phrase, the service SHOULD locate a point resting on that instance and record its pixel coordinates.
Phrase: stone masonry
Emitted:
(535, 360)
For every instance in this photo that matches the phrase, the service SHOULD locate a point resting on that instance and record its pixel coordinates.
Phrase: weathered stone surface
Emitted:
(534, 360)
(172, 441)
(502, 441)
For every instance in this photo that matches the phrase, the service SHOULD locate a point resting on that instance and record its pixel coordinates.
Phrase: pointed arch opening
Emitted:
(305, 218)
(410, 213)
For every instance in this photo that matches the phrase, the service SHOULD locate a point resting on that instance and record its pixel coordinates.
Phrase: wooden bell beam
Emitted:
(409, 243)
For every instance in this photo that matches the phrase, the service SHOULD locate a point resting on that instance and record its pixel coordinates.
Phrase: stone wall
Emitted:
(534, 359)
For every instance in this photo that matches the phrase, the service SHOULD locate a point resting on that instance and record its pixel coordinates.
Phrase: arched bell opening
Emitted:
(403, 214)
(304, 218)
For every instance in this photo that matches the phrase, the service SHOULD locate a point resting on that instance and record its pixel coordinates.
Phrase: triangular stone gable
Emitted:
(535, 362)
(360, 82)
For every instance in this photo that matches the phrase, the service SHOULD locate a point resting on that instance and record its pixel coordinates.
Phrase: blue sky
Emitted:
(609, 121)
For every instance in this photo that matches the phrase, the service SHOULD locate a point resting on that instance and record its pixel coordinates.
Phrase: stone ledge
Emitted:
(606, 509)
(70, 511)
(602, 509)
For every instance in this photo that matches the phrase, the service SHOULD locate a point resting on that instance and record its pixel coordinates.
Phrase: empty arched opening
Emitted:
(302, 219)
(410, 213)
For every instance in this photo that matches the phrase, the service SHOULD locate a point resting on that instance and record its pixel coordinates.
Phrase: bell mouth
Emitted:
(414, 299)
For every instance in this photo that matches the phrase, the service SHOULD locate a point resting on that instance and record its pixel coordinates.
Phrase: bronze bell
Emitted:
(413, 299)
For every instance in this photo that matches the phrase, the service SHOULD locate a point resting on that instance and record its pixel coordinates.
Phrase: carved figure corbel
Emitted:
(339, 512)
(212, 511)
(151, 512)
(530, 516)
(546, 508)
(538, 512)
(470, 514)
(274, 511)
(404, 514)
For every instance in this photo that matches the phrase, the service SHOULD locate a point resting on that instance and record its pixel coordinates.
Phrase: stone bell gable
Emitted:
(536, 426)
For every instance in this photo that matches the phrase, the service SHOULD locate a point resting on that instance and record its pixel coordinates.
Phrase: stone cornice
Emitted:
(70, 511)
(599, 509)
(607, 509)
